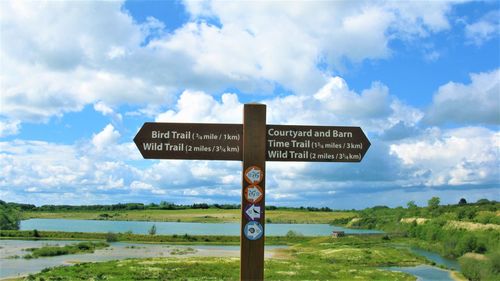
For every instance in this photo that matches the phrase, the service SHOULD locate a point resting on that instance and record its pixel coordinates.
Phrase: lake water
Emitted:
(180, 228)
(425, 273)
(12, 267)
(448, 263)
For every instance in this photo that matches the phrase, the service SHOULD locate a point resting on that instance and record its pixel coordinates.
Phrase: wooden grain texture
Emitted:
(254, 154)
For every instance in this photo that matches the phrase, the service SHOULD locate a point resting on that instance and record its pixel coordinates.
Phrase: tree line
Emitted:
(163, 205)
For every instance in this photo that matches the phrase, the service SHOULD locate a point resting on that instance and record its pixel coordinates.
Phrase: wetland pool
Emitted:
(180, 228)
(14, 267)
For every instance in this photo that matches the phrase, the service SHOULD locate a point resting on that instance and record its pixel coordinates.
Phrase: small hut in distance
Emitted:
(338, 234)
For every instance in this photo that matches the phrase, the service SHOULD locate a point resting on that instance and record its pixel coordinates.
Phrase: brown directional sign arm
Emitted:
(225, 142)
(315, 143)
(190, 141)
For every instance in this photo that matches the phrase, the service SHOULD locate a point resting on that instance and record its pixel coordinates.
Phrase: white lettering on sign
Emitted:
(290, 133)
(297, 133)
(160, 135)
(315, 143)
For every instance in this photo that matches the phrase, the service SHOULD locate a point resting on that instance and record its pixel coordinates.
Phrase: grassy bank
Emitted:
(192, 215)
(128, 237)
(51, 251)
(322, 258)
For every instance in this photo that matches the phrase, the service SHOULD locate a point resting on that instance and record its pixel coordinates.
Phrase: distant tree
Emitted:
(433, 203)
(111, 237)
(9, 217)
(200, 206)
(462, 201)
(166, 205)
(471, 268)
(411, 205)
(292, 233)
(483, 201)
(152, 230)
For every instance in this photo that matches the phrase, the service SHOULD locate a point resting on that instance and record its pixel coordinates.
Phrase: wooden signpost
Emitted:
(253, 143)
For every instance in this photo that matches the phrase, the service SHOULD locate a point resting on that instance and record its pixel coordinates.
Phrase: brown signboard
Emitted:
(225, 142)
(315, 143)
(254, 143)
(190, 141)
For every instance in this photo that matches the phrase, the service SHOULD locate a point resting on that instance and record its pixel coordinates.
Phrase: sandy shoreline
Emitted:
(457, 276)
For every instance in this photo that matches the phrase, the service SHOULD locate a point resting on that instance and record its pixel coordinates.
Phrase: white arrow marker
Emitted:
(253, 212)
(254, 194)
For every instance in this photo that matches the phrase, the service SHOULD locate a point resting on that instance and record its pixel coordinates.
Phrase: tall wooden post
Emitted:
(253, 192)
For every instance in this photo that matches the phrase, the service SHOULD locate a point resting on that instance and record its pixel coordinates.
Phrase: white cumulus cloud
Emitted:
(466, 155)
(197, 106)
(106, 138)
(477, 102)
(109, 59)
(9, 127)
(485, 29)
(374, 108)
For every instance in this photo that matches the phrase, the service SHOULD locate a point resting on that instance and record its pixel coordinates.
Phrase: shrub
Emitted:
(9, 217)
(111, 237)
(471, 268)
(291, 234)
(152, 230)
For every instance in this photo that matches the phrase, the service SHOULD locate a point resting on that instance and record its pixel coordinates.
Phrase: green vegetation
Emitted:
(129, 237)
(152, 230)
(470, 232)
(111, 237)
(183, 251)
(467, 231)
(50, 251)
(322, 258)
(140, 206)
(211, 215)
(9, 216)
(477, 267)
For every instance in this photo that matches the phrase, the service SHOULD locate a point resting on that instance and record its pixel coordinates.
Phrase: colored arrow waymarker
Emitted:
(253, 193)
(253, 212)
(253, 230)
(253, 175)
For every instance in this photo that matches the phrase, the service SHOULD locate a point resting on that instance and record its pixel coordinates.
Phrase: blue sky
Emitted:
(79, 78)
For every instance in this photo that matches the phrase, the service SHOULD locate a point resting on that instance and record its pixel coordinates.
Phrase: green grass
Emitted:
(193, 215)
(127, 237)
(50, 251)
(321, 258)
